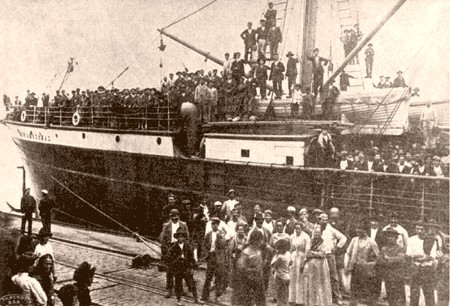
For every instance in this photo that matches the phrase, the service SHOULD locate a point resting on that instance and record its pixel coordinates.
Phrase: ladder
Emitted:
(348, 17)
(281, 6)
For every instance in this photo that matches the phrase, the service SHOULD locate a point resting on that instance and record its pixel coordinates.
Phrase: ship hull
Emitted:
(132, 187)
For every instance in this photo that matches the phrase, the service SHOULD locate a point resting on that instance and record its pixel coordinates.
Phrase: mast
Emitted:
(193, 48)
(68, 71)
(308, 21)
(364, 41)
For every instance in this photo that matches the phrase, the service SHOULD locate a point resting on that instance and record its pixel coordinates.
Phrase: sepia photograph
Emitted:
(224, 152)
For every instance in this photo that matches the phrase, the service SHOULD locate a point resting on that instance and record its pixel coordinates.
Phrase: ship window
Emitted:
(83, 135)
(158, 140)
(289, 160)
(117, 138)
(245, 153)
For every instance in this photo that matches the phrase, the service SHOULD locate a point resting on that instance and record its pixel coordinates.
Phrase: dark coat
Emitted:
(261, 72)
(249, 38)
(276, 71)
(261, 33)
(274, 35)
(181, 260)
(46, 205)
(165, 238)
(291, 67)
(220, 248)
(27, 204)
(317, 67)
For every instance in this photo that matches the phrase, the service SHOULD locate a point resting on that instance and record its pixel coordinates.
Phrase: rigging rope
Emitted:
(189, 15)
(102, 213)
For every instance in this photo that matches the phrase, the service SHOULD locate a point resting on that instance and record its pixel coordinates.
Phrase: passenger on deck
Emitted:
(260, 75)
(370, 53)
(274, 38)
(271, 16)
(261, 36)
(229, 88)
(297, 99)
(330, 95)
(380, 82)
(345, 39)
(327, 150)
(212, 103)
(291, 71)
(276, 75)
(317, 70)
(202, 99)
(344, 80)
(387, 83)
(227, 64)
(399, 81)
(249, 37)
(237, 67)
(428, 120)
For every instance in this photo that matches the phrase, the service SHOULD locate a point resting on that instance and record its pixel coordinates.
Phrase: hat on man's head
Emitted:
(289, 54)
(44, 191)
(258, 216)
(370, 45)
(303, 211)
(317, 211)
(180, 232)
(436, 158)
(231, 191)
(217, 203)
(215, 220)
(186, 202)
(268, 211)
(101, 88)
(291, 208)
(174, 212)
(399, 71)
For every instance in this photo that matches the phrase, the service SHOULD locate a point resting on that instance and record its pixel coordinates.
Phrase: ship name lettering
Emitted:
(34, 136)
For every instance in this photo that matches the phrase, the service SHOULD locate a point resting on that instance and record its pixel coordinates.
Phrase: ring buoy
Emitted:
(76, 118)
(23, 116)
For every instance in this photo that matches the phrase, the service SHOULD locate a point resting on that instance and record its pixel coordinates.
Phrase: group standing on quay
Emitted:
(309, 254)
(27, 261)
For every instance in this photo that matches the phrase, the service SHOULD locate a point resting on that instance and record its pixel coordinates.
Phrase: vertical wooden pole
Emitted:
(371, 197)
(422, 207)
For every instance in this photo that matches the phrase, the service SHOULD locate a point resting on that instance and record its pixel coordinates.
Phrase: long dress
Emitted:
(300, 244)
(316, 279)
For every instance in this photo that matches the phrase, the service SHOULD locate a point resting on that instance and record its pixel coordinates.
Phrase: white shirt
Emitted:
(213, 240)
(228, 206)
(181, 245)
(331, 238)
(232, 227)
(297, 96)
(268, 225)
(222, 227)
(31, 288)
(428, 114)
(373, 233)
(42, 250)
(343, 164)
(369, 165)
(415, 247)
(175, 226)
(205, 211)
(402, 239)
(438, 171)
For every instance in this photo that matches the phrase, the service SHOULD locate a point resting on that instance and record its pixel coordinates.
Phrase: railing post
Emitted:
(45, 116)
(60, 116)
(92, 116)
(422, 200)
(34, 114)
(168, 113)
(323, 191)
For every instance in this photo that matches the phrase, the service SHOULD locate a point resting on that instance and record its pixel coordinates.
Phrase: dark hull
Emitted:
(133, 188)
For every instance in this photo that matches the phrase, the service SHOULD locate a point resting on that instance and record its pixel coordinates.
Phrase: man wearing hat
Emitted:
(290, 222)
(249, 37)
(399, 81)
(421, 250)
(181, 262)
(428, 120)
(370, 53)
(45, 210)
(229, 204)
(44, 247)
(402, 239)
(270, 15)
(27, 207)
(387, 83)
(291, 71)
(436, 168)
(227, 64)
(344, 80)
(166, 238)
(214, 252)
(380, 82)
(268, 223)
(276, 75)
(274, 38)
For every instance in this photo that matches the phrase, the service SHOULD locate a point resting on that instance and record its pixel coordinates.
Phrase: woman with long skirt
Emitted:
(316, 274)
(300, 244)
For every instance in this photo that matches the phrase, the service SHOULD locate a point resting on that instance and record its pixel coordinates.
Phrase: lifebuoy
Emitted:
(23, 116)
(76, 118)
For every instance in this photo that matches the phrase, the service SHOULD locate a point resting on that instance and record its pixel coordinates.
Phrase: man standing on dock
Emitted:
(27, 207)
(45, 210)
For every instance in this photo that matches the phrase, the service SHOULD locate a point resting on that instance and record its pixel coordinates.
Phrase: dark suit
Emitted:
(181, 263)
(317, 70)
(165, 238)
(276, 75)
(260, 74)
(215, 267)
(249, 41)
(274, 37)
(291, 73)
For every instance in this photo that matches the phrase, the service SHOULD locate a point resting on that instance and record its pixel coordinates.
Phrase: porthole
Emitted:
(158, 140)
(83, 135)
(56, 135)
(117, 138)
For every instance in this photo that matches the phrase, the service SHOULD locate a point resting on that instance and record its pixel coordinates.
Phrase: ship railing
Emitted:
(359, 193)
(138, 118)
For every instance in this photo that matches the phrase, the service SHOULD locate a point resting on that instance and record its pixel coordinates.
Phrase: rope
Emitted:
(102, 213)
(288, 26)
(189, 15)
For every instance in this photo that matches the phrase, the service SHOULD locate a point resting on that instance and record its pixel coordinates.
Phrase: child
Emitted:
(280, 263)
(181, 261)
(296, 100)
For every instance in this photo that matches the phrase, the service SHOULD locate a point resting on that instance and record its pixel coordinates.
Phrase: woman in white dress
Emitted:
(300, 244)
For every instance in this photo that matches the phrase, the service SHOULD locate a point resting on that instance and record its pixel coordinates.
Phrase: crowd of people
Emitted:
(310, 254)
(28, 270)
